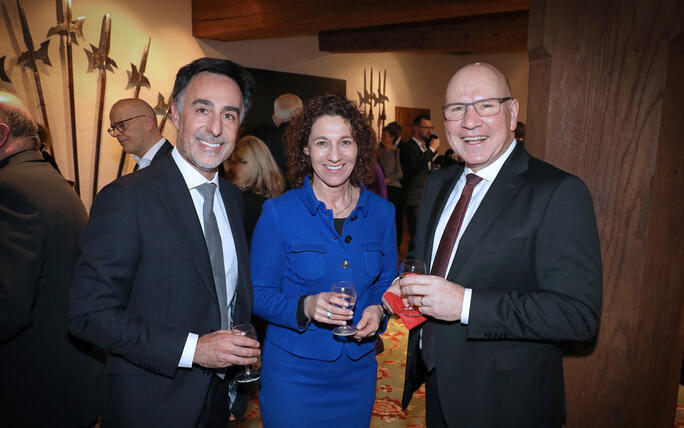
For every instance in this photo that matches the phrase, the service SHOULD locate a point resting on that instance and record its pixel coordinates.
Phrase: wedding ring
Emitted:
(329, 314)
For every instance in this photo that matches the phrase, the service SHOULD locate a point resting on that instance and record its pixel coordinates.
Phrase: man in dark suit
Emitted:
(284, 108)
(165, 272)
(134, 124)
(515, 265)
(48, 378)
(416, 156)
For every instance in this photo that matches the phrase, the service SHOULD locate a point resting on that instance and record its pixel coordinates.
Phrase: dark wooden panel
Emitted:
(498, 32)
(405, 116)
(258, 19)
(614, 118)
(271, 84)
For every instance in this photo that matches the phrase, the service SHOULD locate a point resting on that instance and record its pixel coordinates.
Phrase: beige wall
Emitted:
(413, 80)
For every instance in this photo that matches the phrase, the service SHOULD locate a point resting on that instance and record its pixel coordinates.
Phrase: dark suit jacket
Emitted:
(414, 165)
(47, 377)
(531, 256)
(273, 138)
(143, 283)
(165, 148)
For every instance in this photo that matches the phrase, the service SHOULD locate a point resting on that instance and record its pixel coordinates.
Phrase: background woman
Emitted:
(328, 228)
(252, 168)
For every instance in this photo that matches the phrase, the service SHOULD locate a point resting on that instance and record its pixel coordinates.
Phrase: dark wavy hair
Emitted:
(299, 129)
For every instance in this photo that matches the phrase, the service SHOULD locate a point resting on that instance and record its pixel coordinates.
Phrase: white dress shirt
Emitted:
(193, 179)
(488, 174)
(146, 160)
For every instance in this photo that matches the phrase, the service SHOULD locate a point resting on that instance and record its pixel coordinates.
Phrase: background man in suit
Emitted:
(284, 108)
(416, 156)
(165, 271)
(48, 378)
(523, 270)
(134, 124)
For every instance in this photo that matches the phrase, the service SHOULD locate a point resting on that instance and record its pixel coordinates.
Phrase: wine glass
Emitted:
(411, 267)
(345, 290)
(248, 375)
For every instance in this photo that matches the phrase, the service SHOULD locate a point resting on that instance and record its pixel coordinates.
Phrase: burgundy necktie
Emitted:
(441, 261)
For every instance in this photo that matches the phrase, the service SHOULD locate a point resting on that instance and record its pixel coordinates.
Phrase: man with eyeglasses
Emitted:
(416, 156)
(515, 270)
(134, 124)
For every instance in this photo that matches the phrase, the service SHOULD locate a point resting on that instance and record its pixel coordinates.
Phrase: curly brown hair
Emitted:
(299, 129)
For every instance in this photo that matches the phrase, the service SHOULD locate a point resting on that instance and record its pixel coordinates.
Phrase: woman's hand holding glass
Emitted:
(327, 308)
(370, 322)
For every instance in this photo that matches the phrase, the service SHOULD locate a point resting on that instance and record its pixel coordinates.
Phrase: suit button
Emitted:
(345, 264)
(205, 372)
(347, 239)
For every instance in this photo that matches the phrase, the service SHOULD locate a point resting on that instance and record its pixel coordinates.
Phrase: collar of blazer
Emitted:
(501, 192)
(172, 191)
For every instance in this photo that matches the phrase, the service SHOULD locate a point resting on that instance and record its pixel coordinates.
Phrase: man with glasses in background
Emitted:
(134, 125)
(515, 270)
(416, 156)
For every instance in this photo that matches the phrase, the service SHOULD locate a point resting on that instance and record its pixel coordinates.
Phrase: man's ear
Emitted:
(175, 115)
(4, 133)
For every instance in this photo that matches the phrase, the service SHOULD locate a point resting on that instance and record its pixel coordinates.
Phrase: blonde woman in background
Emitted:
(252, 168)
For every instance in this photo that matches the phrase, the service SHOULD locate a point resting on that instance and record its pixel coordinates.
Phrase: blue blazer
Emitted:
(296, 251)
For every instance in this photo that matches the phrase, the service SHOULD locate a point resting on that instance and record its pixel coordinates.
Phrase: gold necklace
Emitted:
(351, 198)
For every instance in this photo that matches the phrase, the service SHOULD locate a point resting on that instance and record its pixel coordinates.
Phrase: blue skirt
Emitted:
(299, 392)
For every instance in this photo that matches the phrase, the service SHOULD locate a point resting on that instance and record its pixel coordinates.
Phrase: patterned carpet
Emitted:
(387, 411)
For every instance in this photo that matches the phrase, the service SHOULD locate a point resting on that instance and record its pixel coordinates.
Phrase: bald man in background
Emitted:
(519, 277)
(284, 108)
(47, 377)
(134, 124)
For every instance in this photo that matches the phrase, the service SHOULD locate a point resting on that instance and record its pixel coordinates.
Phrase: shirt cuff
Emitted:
(188, 354)
(465, 309)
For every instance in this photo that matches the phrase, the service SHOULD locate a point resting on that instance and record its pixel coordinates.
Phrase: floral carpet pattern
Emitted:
(387, 412)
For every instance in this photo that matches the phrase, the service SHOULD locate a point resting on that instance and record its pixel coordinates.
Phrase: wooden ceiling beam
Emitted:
(258, 19)
(492, 33)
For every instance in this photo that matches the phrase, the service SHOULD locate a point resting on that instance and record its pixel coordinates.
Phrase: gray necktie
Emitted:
(213, 239)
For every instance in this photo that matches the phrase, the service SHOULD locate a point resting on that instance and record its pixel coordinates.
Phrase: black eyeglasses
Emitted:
(486, 107)
(121, 126)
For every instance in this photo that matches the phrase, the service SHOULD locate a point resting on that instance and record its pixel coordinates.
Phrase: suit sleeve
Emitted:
(103, 281)
(268, 260)
(567, 265)
(21, 255)
(413, 160)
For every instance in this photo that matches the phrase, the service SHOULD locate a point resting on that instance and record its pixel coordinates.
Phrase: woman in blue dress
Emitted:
(328, 228)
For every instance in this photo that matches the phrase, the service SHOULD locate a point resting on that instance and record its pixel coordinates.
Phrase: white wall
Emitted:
(413, 80)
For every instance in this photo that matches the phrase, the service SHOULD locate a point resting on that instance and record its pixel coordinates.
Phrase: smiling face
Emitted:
(332, 151)
(208, 121)
(480, 140)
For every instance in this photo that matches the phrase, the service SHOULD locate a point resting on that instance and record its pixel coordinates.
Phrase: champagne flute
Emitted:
(345, 290)
(411, 267)
(248, 375)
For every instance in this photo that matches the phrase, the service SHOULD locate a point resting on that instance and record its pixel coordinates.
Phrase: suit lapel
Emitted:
(172, 191)
(502, 191)
(240, 242)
